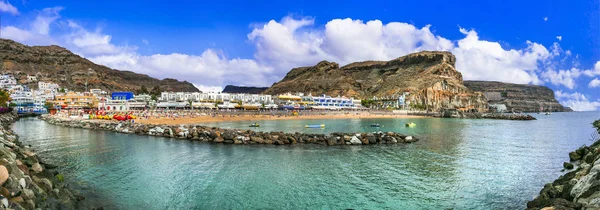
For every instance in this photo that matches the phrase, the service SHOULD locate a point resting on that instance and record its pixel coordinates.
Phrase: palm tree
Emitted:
(190, 103)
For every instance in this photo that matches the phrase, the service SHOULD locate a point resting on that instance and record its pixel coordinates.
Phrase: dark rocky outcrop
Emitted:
(243, 89)
(234, 136)
(578, 188)
(26, 182)
(430, 77)
(518, 97)
(59, 65)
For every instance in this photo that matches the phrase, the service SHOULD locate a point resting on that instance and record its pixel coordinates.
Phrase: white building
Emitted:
(301, 101)
(48, 86)
(31, 78)
(7, 81)
(208, 100)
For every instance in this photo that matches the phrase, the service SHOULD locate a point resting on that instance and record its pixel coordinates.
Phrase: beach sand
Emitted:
(228, 118)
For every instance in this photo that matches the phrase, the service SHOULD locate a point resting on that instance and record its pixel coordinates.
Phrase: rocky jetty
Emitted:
(26, 182)
(478, 115)
(578, 188)
(234, 136)
(430, 78)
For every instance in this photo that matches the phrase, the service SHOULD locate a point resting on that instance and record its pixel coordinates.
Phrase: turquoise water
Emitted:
(460, 164)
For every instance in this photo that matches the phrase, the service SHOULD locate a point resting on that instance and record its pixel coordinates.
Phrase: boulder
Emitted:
(28, 194)
(331, 140)
(3, 174)
(37, 168)
(585, 185)
(46, 184)
(228, 135)
(574, 156)
(256, 139)
(219, 140)
(568, 165)
(355, 141)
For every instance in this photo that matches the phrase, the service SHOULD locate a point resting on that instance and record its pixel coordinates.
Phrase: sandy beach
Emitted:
(250, 118)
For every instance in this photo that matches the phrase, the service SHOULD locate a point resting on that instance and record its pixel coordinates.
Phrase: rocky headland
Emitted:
(518, 97)
(233, 136)
(430, 78)
(26, 182)
(577, 189)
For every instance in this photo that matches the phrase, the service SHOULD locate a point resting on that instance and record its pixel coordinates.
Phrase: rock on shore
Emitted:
(26, 182)
(577, 189)
(234, 136)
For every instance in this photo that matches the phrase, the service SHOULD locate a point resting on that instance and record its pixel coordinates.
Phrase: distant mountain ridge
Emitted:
(518, 97)
(59, 65)
(244, 89)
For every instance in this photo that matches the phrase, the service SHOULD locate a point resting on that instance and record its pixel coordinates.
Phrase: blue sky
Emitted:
(552, 43)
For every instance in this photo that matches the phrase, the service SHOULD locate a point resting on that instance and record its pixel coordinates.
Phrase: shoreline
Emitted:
(233, 136)
(252, 118)
(579, 187)
(27, 182)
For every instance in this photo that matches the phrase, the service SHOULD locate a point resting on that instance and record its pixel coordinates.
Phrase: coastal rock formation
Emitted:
(430, 78)
(518, 97)
(234, 136)
(577, 189)
(243, 89)
(26, 182)
(59, 65)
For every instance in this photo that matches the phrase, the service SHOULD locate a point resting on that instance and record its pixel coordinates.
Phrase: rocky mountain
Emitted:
(430, 78)
(517, 97)
(59, 65)
(242, 89)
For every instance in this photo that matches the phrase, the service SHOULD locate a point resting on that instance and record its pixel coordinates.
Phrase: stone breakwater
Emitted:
(234, 136)
(26, 182)
(577, 189)
(479, 115)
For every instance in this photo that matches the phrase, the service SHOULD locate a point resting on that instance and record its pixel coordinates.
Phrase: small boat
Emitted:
(548, 113)
(375, 125)
(410, 125)
(254, 125)
(315, 126)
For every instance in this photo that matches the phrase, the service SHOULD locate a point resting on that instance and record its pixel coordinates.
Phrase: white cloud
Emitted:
(41, 24)
(593, 72)
(577, 101)
(559, 38)
(206, 89)
(8, 8)
(145, 41)
(484, 60)
(562, 77)
(545, 18)
(594, 83)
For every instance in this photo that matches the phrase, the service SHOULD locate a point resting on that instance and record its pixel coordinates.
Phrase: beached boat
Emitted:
(410, 125)
(375, 125)
(315, 126)
(254, 125)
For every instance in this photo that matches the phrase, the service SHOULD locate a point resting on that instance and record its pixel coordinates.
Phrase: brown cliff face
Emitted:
(518, 97)
(429, 77)
(59, 65)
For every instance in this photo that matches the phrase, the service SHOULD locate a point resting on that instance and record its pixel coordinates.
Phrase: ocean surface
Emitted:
(458, 163)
